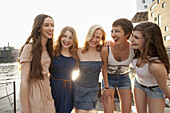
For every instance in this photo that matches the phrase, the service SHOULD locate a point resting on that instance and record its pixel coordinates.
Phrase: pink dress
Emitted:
(40, 98)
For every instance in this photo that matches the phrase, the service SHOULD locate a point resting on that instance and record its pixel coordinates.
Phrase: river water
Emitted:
(9, 72)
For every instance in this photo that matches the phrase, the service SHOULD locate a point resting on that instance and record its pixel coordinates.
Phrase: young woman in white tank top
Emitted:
(151, 64)
(116, 60)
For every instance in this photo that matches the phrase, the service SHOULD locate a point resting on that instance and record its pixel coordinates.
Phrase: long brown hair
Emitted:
(153, 46)
(90, 35)
(72, 49)
(36, 67)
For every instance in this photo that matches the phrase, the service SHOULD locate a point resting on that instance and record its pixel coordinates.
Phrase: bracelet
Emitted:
(106, 87)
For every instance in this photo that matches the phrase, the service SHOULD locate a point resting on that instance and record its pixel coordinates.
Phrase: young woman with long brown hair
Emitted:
(35, 58)
(151, 64)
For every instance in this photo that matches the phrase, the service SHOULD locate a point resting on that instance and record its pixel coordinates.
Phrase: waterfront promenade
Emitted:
(99, 107)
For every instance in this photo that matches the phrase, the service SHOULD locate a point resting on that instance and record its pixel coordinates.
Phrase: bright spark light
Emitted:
(75, 74)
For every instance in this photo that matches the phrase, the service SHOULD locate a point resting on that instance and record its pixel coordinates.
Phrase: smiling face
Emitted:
(118, 34)
(47, 28)
(138, 41)
(96, 38)
(67, 40)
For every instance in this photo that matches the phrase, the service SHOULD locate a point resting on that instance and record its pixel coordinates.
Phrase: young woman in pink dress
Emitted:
(36, 61)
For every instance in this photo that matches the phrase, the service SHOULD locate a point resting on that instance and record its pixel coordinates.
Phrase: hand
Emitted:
(106, 94)
(109, 42)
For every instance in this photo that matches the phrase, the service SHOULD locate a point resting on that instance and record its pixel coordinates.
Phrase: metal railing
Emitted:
(8, 95)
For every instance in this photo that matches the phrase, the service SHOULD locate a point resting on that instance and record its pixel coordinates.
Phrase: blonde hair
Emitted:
(90, 35)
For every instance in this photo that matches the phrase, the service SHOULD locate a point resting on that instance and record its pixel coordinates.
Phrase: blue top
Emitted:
(63, 67)
(89, 73)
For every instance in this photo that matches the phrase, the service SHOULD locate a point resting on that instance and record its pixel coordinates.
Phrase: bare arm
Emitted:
(107, 92)
(158, 70)
(104, 56)
(24, 87)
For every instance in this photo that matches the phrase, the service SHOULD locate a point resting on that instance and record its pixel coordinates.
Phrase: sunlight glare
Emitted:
(75, 74)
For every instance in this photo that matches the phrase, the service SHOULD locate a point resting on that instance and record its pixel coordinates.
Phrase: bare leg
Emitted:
(75, 110)
(140, 100)
(156, 105)
(82, 111)
(108, 104)
(125, 100)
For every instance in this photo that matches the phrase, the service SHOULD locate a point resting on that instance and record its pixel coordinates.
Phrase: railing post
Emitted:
(14, 97)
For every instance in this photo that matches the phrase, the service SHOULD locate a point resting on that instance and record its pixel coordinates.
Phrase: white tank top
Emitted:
(116, 67)
(143, 76)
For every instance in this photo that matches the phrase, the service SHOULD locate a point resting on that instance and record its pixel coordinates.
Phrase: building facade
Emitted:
(142, 5)
(159, 13)
(8, 54)
(142, 11)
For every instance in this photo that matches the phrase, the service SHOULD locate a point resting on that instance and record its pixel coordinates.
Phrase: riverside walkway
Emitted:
(99, 107)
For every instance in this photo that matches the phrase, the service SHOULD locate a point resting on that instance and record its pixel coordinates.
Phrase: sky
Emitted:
(17, 16)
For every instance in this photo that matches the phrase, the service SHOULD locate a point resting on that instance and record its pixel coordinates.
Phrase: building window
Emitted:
(166, 28)
(143, 1)
(158, 1)
(152, 7)
(152, 14)
(159, 20)
(163, 5)
(155, 19)
(145, 6)
(167, 37)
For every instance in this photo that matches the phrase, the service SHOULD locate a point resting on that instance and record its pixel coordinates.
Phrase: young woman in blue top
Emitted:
(151, 64)
(64, 62)
(86, 85)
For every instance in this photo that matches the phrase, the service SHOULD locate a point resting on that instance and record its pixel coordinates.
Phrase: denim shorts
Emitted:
(119, 81)
(154, 93)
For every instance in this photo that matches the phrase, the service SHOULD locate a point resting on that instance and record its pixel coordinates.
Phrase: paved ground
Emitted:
(99, 107)
(8, 108)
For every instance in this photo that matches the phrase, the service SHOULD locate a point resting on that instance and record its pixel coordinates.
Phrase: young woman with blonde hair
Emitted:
(86, 85)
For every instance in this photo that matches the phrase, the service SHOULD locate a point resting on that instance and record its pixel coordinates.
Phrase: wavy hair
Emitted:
(72, 49)
(90, 35)
(35, 37)
(153, 46)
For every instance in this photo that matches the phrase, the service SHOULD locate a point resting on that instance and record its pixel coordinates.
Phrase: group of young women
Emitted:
(46, 70)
